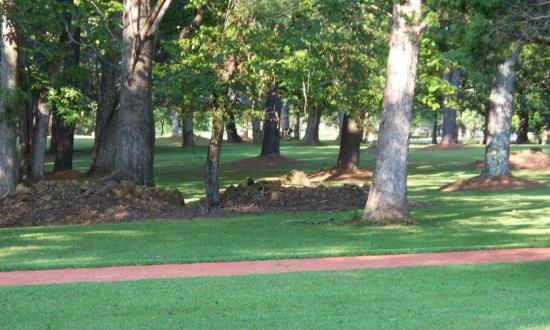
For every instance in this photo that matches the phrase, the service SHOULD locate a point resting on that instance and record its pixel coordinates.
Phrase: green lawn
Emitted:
(455, 221)
(503, 296)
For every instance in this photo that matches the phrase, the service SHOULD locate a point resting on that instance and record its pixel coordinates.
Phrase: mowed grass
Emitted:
(500, 296)
(454, 221)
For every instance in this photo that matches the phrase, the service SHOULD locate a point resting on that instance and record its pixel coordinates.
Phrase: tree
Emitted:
(387, 201)
(449, 128)
(350, 142)
(271, 132)
(8, 84)
(501, 107)
(135, 138)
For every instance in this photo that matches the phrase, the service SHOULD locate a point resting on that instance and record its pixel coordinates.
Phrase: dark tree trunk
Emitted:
(135, 138)
(103, 156)
(188, 135)
(271, 137)
(8, 119)
(212, 185)
(256, 130)
(64, 129)
(434, 128)
(312, 129)
(387, 201)
(39, 139)
(523, 129)
(449, 128)
(486, 124)
(297, 125)
(231, 129)
(350, 143)
(501, 106)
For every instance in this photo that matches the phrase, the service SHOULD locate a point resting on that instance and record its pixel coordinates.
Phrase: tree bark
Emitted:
(285, 122)
(387, 201)
(501, 106)
(271, 137)
(103, 156)
(297, 125)
(8, 118)
(449, 130)
(523, 129)
(256, 130)
(188, 135)
(312, 129)
(231, 129)
(39, 139)
(212, 185)
(25, 133)
(350, 142)
(341, 116)
(434, 128)
(175, 125)
(135, 138)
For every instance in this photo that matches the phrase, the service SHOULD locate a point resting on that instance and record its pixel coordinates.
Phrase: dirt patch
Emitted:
(482, 183)
(73, 202)
(357, 175)
(530, 159)
(263, 161)
(445, 147)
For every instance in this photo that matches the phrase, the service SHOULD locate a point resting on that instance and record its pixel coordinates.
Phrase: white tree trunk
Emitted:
(8, 120)
(387, 201)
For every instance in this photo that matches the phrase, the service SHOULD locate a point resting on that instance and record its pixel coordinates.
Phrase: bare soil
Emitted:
(263, 161)
(482, 183)
(445, 147)
(357, 175)
(530, 159)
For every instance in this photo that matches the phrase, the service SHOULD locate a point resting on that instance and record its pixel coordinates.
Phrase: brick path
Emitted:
(129, 273)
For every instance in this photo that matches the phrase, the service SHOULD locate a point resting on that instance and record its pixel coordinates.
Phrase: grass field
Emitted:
(455, 221)
(503, 296)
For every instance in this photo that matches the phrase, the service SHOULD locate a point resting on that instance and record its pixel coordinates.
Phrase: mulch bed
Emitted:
(482, 183)
(530, 159)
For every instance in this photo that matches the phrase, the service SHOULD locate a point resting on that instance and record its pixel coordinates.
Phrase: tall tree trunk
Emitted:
(135, 138)
(188, 135)
(285, 122)
(341, 116)
(350, 142)
(103, 156)
(271, 137)
(64, 129)
(175, 125)
(387, 201)
(501, 106)
(312, 129)
(449, 128)
(212, 185)
(523, 129)
(39, 139)
(256, 130)
(434, 128)
(25, 133)
(231, 129)
(297, 125)
(8, 116)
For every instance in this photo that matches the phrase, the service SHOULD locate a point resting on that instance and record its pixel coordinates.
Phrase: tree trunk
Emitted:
(103, 156)
(212, 185)
(501, 106)
(523, 129)
(64, 130)
(25, 133)
(297, 125)
(175, 125)
(449, 128)
(188, 135)
(271, 137)
(312, 129)
(387, 201)
(256, 130)
(135, 138)
(53, 134)
(8, 116)
(434, 128)
(350, 143)
(285, 122)
(39, 139)
(341, 116)
(231, 129)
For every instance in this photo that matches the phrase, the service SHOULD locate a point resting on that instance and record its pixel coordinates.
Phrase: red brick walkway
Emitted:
(128, 273)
